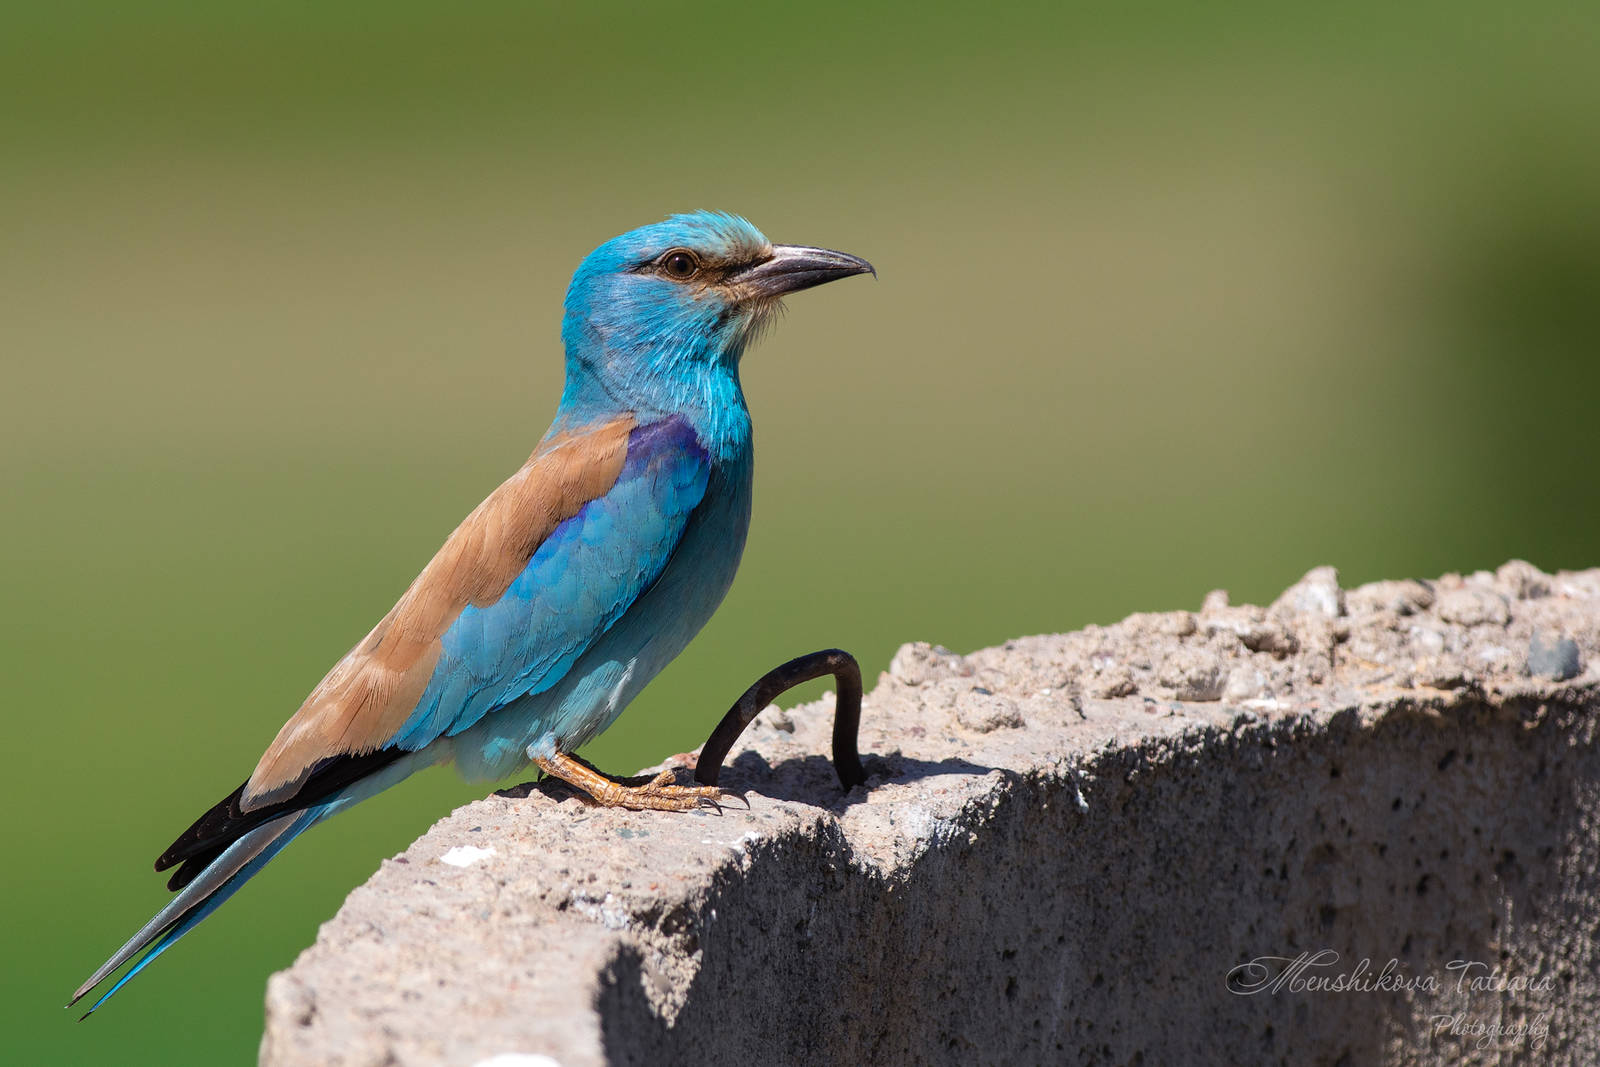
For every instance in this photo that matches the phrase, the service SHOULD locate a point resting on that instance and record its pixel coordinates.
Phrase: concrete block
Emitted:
(1357, 826)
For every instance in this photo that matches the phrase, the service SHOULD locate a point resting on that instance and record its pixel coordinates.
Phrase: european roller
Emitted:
(561, 595)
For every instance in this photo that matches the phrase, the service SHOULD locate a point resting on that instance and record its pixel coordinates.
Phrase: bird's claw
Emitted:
(660, 793)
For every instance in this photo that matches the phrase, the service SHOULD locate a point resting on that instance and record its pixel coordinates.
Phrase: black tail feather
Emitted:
(227, 821)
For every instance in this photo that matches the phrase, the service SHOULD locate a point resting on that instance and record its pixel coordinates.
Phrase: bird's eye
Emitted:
(680, 264)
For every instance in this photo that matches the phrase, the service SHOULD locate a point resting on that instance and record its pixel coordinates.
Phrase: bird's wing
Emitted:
(574, 588)
(538, 572)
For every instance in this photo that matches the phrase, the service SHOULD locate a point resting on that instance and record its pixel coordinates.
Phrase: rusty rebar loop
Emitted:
(846, 713)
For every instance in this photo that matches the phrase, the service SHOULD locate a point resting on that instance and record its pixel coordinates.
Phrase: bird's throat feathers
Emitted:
(642, 343)
(663, 379)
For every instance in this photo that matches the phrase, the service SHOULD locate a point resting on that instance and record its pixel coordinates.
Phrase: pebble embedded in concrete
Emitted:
(1554, 656)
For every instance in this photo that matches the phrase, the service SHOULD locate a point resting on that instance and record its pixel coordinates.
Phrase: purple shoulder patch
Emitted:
(672, 436)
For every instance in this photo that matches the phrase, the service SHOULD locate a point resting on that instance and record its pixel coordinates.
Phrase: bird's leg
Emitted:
(658, 794)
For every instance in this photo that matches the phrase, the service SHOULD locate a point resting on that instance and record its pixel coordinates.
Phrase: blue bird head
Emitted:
(658, 318)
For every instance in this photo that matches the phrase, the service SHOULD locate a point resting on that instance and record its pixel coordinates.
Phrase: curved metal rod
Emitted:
(846, 715)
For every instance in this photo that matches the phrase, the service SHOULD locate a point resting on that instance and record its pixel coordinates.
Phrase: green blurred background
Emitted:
(1172, 296)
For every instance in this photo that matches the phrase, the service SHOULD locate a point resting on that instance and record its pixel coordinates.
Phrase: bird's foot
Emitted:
(658, 794)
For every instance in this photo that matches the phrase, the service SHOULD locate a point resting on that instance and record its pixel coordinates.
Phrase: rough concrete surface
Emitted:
(1357, 826)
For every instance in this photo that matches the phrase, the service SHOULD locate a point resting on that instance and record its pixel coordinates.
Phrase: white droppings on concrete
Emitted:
(465, 855)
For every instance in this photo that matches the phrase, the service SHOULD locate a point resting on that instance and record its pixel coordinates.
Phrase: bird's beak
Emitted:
(796, 267)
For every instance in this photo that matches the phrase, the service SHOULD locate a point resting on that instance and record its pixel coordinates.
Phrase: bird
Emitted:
(560, 596)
